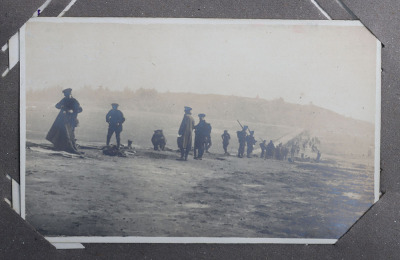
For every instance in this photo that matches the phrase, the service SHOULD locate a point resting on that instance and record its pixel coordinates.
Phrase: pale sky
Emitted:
(333, 67)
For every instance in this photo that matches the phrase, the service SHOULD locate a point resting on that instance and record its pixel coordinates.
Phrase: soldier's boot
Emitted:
(182, 154)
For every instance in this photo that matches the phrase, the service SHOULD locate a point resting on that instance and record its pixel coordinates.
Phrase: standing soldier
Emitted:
(62, 132)
(270, 150)
(185, 132)
(225, 140)
(251, 141)
(114, 118)
(200, 137)
(263, 147)
(242, 141)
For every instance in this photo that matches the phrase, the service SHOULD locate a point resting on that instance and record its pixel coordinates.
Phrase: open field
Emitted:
(152, 194)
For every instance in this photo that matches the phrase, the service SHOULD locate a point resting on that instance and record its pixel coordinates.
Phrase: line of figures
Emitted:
(62, 133)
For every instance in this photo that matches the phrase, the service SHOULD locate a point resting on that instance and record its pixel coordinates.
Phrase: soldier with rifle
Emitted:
(251, 141)
(242, 139)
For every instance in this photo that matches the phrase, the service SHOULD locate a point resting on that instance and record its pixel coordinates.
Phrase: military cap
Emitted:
(245, 127)
(67, 90)
(202, 115)
(114, 105)
(188, 108)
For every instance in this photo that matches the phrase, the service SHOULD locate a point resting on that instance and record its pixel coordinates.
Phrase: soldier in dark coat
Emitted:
(208, 142)
(270, 150)
(158, 140)
(242, 141)
(62, 132)
(115, 119)
(251, 141)
(225, 140)
(201, 131)
(185, 132)
(263, 147)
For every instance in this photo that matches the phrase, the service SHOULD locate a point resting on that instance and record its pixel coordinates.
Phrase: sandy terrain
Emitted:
(152, 194)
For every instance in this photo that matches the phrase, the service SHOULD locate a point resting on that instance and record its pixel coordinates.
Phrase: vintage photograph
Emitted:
(140, 127)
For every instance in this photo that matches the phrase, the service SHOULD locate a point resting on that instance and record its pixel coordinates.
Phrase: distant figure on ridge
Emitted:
(225, 140)
(158, 140)
(62, 132)
(185, 133)
(115, 119)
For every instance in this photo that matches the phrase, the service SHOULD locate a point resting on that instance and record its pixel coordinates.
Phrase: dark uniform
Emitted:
(208, 142)
(114, 118)
(263, 147)
(242, 141)
(201, 132)
(158, 140)
(185, 133)
(225, 140)
(250, 143)
(270, 150)
(62, 132)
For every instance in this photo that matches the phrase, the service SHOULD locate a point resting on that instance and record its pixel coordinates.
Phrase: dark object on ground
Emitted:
(113, 151)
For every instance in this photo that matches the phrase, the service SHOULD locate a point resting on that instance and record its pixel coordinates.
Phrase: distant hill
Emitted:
(338, 134)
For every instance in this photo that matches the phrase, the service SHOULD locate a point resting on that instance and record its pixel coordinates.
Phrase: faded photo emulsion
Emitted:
(198, 128)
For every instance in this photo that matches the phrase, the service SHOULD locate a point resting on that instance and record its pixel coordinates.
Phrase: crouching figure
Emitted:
(158, 140)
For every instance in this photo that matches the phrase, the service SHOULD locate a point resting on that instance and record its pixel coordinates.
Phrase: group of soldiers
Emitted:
(202, 139)
(62, 134)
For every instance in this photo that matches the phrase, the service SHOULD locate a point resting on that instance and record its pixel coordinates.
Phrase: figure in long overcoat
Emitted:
(185, 132)
(62, 132)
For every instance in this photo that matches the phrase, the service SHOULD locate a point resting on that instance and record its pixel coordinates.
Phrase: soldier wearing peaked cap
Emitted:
(185, 133)
(62, 132)
(115, 119)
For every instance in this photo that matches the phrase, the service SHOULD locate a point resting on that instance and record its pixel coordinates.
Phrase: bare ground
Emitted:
(152, 194)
